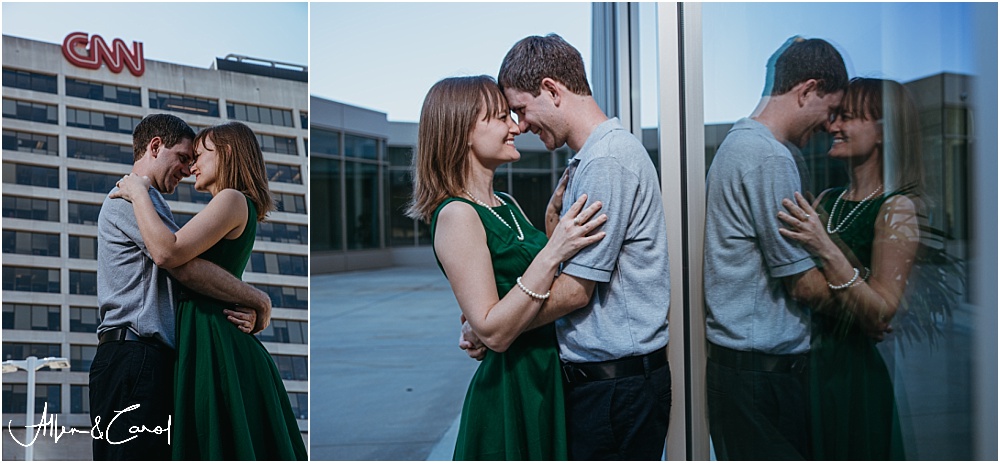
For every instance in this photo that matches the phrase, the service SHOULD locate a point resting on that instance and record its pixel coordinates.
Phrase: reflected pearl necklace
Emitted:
(520, 234)
(848, 219)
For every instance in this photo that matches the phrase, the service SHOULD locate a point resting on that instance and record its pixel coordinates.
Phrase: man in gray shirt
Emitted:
(610, 302)
(132, 375)
(758, 284)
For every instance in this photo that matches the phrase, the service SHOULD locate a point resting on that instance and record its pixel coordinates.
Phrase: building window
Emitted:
(29, 81)
(259, 114)
(287, 202)
(83, 247)
(28, 111)
(99, 151)
(22, 350)
(325, 141)
(292, 367)
(83, 319)
(303, 120)
(91, 181)
(30, 279)
(286, 332)
(282, 232)
(360, 147)
(288, 297)
(186, 193)
(185, 104)
(403, 231)
(80, 357)
(82, 213)
(300, 404)
(276, 144)
(83, 282)
(47, 398)
(31, 317)
(326, 196)
(103, 92)
(107, 122)
(284, 173)
(26, 174)
(79, 398)
(278, 264)
(30, 243)
(35, 143)
(20, 207)
(363, 216)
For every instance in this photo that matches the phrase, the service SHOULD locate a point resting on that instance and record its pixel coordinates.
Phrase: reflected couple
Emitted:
(793, 371)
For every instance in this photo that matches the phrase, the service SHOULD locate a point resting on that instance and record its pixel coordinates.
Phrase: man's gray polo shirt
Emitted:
(131, 289)
(627, 314)
(746, 258)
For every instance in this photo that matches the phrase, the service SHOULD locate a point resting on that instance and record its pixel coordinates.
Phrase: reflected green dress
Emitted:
(854, 414)
(230, 403)
(514, 407)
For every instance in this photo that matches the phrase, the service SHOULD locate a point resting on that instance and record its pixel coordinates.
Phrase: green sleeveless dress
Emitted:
(514, 407)
(230, 403)
(854, 414)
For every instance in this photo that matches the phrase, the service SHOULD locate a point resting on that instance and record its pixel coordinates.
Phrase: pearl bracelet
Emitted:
(534, 295)
(850, 283)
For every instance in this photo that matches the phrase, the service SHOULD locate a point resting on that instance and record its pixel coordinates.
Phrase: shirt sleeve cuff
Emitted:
(587, 273)
(793, 268)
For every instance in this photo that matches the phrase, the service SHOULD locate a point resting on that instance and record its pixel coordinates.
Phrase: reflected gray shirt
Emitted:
(131, 290)
(747, 307)
(627, 313)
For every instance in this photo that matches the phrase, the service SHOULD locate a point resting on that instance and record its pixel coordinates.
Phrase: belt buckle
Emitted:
(572, 374)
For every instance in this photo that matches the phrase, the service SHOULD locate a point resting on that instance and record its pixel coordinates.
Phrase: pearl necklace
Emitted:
(520, 234)
(848, 219)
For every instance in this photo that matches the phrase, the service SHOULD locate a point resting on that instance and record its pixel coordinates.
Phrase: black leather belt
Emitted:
(628, 366)
(758, 361)
(125, 334)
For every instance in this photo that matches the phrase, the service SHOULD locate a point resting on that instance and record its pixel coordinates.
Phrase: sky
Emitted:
(192, 34)
(384, 56)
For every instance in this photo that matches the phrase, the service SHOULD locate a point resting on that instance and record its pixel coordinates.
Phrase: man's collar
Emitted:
(597, 134)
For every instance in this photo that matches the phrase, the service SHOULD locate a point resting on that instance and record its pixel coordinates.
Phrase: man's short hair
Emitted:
(534, 58)
(800, 59)
(171, 129)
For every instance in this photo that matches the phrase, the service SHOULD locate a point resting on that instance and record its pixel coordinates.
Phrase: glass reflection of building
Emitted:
(66, 141)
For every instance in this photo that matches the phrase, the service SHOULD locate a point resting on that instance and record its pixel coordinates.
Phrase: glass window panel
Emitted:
(922, 367)
(360, 147)
(362, 213)
(83, 319)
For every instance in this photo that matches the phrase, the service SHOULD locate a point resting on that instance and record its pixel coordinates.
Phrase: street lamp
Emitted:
(31, 365)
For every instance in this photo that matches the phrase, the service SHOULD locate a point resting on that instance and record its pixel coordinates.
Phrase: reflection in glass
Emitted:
(926, 48)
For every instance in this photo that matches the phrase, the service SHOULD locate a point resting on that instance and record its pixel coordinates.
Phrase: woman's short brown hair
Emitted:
(240, 163)
(446, 120)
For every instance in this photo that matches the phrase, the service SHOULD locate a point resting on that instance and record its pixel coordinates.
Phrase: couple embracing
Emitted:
(570, 324)
(185, 357)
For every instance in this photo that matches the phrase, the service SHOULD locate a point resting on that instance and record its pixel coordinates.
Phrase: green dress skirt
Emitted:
(514, 407)
(230, 403)
(854, 414)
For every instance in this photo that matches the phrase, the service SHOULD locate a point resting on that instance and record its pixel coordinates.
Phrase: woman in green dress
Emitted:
(229, 400)
(866, 237)
(500, 268)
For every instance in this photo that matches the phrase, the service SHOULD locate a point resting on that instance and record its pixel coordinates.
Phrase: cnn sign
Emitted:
(90, 52)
